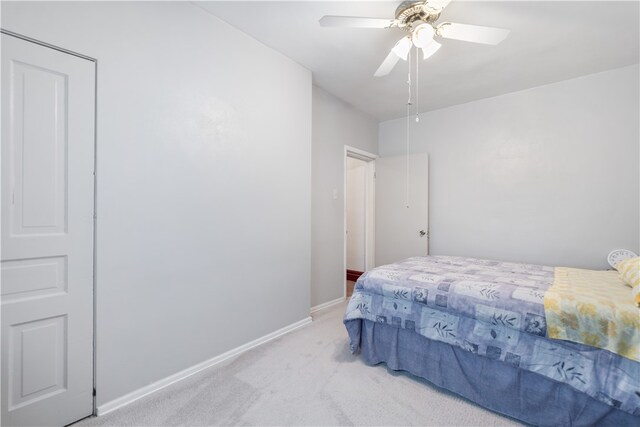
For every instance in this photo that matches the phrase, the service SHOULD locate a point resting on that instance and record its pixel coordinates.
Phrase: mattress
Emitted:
(490, 310)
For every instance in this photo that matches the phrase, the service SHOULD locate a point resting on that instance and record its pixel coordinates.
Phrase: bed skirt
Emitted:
(495, 385)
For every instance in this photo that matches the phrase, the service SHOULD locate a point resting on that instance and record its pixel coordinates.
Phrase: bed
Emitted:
(484, 330)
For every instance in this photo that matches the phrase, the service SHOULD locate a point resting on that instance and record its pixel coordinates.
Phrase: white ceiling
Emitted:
(549, 41)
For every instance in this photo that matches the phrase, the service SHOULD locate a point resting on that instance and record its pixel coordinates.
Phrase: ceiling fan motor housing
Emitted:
(409, 12)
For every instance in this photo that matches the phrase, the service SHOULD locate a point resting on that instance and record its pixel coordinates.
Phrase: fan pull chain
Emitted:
(407, 135)
(417, 78)
(409, 80)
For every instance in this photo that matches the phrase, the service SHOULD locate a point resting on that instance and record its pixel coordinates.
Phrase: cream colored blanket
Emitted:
(593, 308)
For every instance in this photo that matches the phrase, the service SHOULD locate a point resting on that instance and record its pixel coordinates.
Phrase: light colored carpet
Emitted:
(307, 377)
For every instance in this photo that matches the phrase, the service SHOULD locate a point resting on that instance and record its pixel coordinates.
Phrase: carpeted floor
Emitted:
(307, 377)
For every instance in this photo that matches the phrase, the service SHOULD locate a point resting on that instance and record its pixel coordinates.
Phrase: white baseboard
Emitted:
(326, 304)
(151, 388)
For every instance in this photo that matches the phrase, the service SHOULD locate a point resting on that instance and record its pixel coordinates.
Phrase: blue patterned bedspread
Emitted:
(493, 309)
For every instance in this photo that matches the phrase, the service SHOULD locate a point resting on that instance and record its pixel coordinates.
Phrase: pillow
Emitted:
(629, 273)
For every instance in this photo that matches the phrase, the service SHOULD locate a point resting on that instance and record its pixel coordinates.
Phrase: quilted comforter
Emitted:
(495, 310)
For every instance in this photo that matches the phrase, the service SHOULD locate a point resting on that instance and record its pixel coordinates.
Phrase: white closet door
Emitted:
(402, 219)
(47, 234)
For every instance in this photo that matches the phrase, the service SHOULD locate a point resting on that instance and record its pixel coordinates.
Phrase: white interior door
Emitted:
(47, 234)
(402, 207)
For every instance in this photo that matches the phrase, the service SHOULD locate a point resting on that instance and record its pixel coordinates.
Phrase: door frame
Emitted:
(370, 208)
(95, 184)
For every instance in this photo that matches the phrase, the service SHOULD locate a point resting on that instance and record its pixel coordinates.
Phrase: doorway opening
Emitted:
(359, 215)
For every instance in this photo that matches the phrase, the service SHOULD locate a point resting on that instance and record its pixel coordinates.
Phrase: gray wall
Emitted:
(204, 156)
(335, 124)
(548, 175)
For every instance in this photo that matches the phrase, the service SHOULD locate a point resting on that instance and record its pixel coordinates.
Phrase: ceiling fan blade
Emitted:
(387, 65)
(471, 33)
(430, 49)
(435, 6)
(356, 22)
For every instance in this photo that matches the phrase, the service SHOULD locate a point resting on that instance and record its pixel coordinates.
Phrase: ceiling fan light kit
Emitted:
(422, 35)
(430, 49)
(418, 18)
(402, 48)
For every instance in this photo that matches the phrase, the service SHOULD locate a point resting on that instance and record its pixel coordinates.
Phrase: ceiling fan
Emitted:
(419, 18)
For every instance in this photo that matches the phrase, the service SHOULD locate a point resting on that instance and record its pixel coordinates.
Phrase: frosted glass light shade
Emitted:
(422, 35)
(402, 48)
(430, 49)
